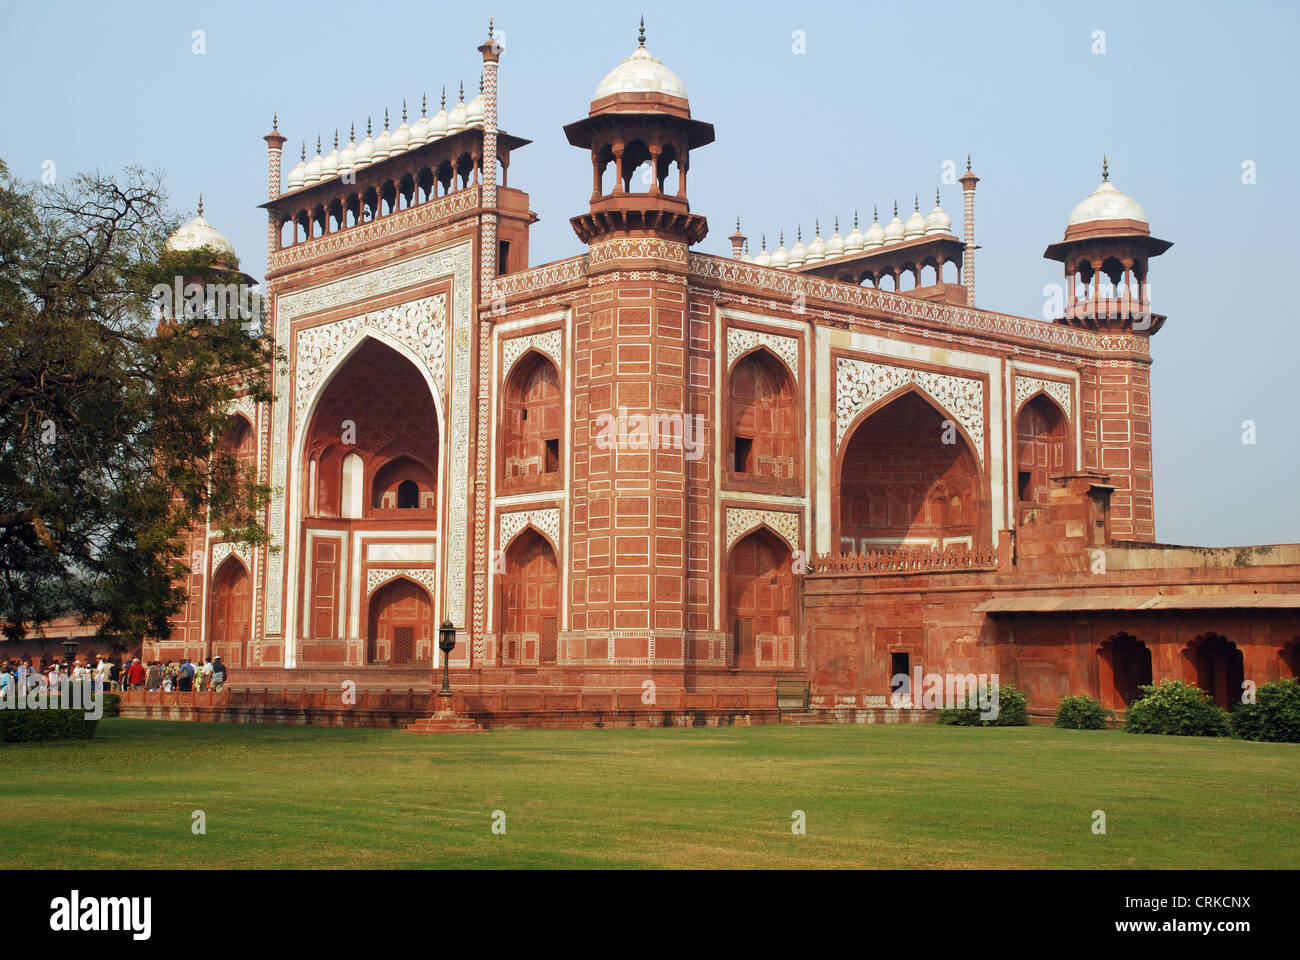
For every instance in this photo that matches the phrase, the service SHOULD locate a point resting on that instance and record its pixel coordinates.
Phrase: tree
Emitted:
(111, 409)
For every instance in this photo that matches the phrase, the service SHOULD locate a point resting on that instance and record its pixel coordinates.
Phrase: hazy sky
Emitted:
(1182, 97)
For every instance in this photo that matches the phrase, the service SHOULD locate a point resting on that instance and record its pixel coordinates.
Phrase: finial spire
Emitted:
(782, 236)
(444, 96)
(916, 203)
(936, 196)
(875, 213)
(200, 204)
(275, 122)
(968, 163)
(336, 138)
(403, 109)
(491, 31)
(367, 128)
(352, 132)
(641, 36)
(480, 81)
(1105, 168)
(895, 208)
(837, 223)
(424, 104)
(738, 223)
(798, 233)
(318, 145)
(304, 151)
(385, 118)
(462, 90)
(765, 241)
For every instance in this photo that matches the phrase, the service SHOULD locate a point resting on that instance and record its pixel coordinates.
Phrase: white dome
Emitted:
(329, 167)
(764, 258)
(1107, 203)
(383, 142)
(297, 176)
(640, 73)
(780, 256)
(854, 241)
(401, 139)
(196, 234)
(474, 116)
(348, 155)
(420, 129)
(894, 230)
(313, 172)
(938, 221)
(798, 253)
(366, 149)
(438, 122)
(817, 249)
(915, 225)
(456, 117)
(835, 245)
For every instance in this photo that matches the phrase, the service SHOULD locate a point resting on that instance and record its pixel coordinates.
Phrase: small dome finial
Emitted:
(837, 223)
(798, 233)
(304, 151)
(318, 144)
(491, 30)
(1105, 168)
(895, 208)
(916, 203)
(352, 132)
(462, 90)
(936, 196)
(403, 109)
(641, 36)
(738, 223)
(275, 122)
(855, 218)
(424, 103)
(444, 96)
(765, 241)
(336, 138)
(367, 128)
(782, 237)
(385, 118)
(875, 213)
(817, 227)
(200, 204)
(968, 163)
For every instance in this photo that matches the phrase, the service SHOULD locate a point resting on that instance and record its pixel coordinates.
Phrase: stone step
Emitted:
(453, 724)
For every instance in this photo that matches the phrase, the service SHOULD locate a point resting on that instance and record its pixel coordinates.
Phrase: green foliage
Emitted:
(111, 412)
(112, 703)
(1177, 709)
(1013, 710)
(30, 726)
(1082, 713)
(1273, 717)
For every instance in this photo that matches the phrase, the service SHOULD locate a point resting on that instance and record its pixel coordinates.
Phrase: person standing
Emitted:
(135, 675)
(218, 674)
(207, 674)
(186, 676)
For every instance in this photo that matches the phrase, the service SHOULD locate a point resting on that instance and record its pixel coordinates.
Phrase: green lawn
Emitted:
(874, 796)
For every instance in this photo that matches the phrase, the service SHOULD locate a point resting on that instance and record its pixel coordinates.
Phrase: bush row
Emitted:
(30, 726)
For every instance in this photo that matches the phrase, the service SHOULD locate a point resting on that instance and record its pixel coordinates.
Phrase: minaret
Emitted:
(968, 181)
(491, 51)
(274, 147)
(634, 361)
(737, 241)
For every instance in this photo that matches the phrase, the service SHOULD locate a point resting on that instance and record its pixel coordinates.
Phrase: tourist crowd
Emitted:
(130, 674)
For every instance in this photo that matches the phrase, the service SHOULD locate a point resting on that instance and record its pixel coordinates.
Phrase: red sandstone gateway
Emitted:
(887, 480)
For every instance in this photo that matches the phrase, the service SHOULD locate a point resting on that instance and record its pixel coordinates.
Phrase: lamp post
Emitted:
(446, 643)
(69, 650)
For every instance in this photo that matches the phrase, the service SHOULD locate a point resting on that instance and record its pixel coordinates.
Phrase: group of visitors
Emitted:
(184, 676)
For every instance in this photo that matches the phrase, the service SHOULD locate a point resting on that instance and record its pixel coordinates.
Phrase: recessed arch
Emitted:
(1124, 665)
(400, 621)
(1042, 447)
(529, 599)
(760, 594)
(532, 425)
(230, 611)
(764, 420)
(907, 477)
(1219, 668)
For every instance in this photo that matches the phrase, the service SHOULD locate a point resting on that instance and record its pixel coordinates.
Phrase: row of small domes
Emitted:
(354, 156)
(896, 231)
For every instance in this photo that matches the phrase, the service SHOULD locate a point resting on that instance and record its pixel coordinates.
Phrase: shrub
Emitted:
(1013, 710)
(1273, 717)
(1082, 713)
(31, 726)
(1177, 709)
(112, 701)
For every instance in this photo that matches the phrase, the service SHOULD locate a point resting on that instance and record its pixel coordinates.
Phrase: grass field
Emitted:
(874, 796)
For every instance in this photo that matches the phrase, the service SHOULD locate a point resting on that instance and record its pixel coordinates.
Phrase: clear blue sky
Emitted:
(886, 92)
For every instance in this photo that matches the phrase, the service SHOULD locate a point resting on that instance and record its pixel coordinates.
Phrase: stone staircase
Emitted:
(449, 724)
(805, 718)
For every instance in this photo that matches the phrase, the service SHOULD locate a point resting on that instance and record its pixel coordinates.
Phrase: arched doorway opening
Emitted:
(401, 624)
(760, 597)
(1290, 654)
(908, 478)
(1042, 448)
(529, 608)
(231, 621)
(1125, 666)
(532, 426)
(765, 436)
(1220, 669)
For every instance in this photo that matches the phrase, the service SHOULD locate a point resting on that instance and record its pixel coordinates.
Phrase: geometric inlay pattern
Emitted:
(1026, 387)
(374, 578)
(860, 383)
(741, 341)
(546, 520)
(741, 520)
(550, 343)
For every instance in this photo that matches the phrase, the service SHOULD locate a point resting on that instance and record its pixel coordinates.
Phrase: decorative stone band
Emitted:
(860, 383)
(1026, 387)
(530, 281)
(386, 226)
(741, 520)
(377, 578)
(740, 341)
(418, 325)
(884, 562)
(637, 248)
(545, 520)
(220, 551)
(929, 312)
(550, 343)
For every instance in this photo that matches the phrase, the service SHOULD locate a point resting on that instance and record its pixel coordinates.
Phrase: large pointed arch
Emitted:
(230, 611)
(907, 476)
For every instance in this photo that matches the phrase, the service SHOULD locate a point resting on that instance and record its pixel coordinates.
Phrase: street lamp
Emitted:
(446, 643)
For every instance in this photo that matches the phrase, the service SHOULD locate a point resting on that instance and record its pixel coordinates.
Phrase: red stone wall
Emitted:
(1116, 420)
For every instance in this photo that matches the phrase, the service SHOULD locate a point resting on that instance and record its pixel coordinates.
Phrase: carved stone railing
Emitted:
(903, 561)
